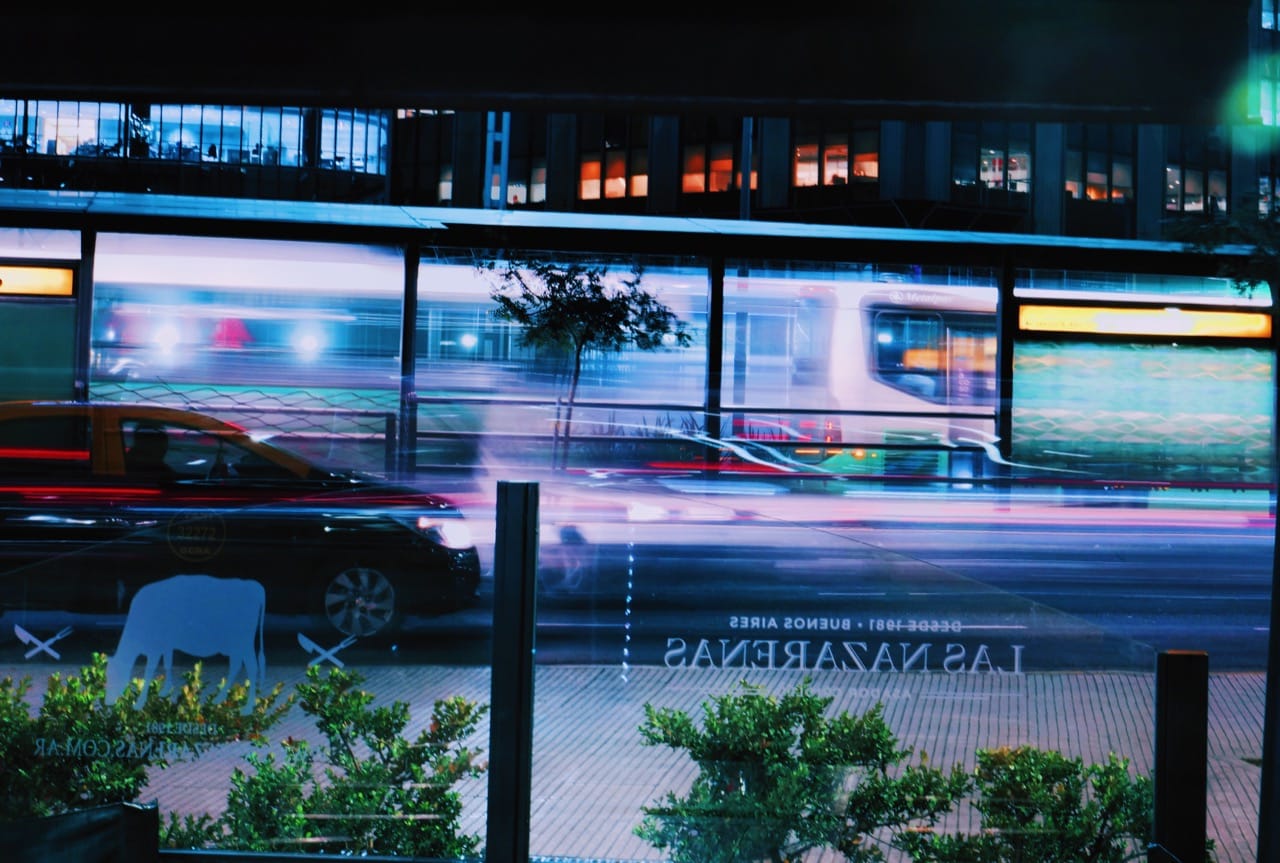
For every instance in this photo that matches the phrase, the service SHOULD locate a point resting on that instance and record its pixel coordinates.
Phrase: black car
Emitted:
(99, 499)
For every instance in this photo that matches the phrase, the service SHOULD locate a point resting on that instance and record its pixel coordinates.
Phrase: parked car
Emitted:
(99, 499)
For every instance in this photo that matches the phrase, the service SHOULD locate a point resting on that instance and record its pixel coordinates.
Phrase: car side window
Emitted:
(147, 450)
(53, 446)
(173, 451)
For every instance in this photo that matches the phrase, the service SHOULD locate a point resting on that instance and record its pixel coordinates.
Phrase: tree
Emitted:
(576, 308)
(1246, 246)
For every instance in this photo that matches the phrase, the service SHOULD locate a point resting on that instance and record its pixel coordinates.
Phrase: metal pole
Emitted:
(515, 570)
(1268, 804)
(1181, 757)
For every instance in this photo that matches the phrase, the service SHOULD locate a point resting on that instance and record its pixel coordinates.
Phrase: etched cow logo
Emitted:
(199, 615)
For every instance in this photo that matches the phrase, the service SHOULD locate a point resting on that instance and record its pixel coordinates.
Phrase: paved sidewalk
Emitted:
(591, 775)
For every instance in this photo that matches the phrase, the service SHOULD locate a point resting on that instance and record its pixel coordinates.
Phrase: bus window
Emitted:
(938, 357)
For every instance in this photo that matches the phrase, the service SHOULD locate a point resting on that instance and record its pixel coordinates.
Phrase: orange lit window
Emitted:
(639, 173)
(589, 177)
(615, 174)
(805, 168)
(695, 170)
(866, 166)
(835, 161)
(721, 167)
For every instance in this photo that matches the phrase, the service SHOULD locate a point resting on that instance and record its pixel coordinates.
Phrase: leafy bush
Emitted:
(772, 780)
(777, 777)
(78, 751)
(1040, 805)
(369, 790)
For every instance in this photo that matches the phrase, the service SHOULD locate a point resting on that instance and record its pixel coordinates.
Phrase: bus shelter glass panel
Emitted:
(219, 609)
(584, 376)
(1141, 385)
(859, 370)
(304, 337)
(39, 243)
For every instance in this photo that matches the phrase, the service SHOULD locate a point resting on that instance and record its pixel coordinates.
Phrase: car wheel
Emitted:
(361, 601)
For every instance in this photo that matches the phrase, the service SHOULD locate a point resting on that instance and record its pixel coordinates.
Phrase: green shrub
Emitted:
(1043, 806)
(772, 780)
(368, 790)
(78, 751)
(777, 777)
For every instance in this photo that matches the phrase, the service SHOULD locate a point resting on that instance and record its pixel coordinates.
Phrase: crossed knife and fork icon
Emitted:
(39, 644)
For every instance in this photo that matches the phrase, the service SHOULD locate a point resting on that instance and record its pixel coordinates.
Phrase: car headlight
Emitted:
(449, 532)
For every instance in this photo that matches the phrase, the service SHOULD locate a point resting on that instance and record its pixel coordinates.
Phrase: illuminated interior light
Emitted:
(468, 341)
(1169, 321)
(308, 343)
(167, 337)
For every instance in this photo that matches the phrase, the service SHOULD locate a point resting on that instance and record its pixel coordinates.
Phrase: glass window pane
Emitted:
(722, 167)
(866, 155)
(589, 177)
(805, 164)
(615, 184)
(992, 168)
(639, 172)
(835, 160)
(693, 176)
(1172, 187)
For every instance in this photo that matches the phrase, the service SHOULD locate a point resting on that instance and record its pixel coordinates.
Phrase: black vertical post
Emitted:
(1181, 757)
(715, 361)
(1268, 796)
(515, 569)
(407, 439)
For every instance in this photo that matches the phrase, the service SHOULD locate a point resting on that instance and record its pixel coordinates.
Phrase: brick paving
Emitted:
(591, 775)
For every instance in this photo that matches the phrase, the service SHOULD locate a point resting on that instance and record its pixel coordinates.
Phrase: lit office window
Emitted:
(444, 189)
(1095, 180)
(721, 179)
(1172, 187)
(866, 155)
(517, 193)
(1019, 163)
(835, 160)
(991, 168)
(1074, 182)
(1193, 191)
(1217, 195)
(1268, 15)
(694, 174)
(538, 182)
(589, 177)
(615, 174)
(639, 173)
(804, 168)
(13, 114)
